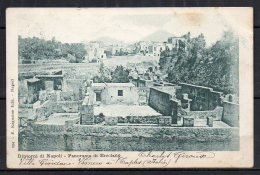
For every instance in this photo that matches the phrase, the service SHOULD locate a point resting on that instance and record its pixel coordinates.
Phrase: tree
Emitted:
(120, 75)
(34, 48)
(215, 66)
(104, 75)
(78, 50)
(225, 65)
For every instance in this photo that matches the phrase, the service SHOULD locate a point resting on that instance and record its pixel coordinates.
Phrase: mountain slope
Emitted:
(108, 40)
(158, 36)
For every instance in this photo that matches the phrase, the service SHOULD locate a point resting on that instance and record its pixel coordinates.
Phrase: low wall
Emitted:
(138, 138)
(231, 113)
(133, 138)
(47, 129)
(216, 114)
(85, 67)
(139, 119)
(66, 107)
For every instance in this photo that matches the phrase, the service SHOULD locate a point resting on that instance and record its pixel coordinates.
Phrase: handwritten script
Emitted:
(142, 159)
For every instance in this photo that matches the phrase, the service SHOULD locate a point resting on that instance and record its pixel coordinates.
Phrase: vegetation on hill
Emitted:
(216, 66)
(106, 75)
(31, 49)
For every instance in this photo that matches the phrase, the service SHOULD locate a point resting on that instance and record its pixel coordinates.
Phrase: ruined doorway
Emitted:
(98, 96)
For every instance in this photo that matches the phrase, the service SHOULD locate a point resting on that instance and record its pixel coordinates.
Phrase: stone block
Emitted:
(188, 121)
(210, 121)
(111, 120)
(165, 121)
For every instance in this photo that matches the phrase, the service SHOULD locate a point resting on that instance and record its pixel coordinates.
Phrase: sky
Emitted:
(129, 25)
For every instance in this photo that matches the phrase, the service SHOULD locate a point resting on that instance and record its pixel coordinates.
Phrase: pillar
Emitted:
(176, 105)
(210, 121)
(87, 114)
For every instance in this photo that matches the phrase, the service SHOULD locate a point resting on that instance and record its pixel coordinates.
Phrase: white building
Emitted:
(176, 42)
(113, 93)
(95, 52)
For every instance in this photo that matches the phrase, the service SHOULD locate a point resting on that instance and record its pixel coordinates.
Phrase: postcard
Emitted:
(129, 87)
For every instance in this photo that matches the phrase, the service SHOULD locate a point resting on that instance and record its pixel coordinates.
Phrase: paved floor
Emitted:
(125, 110)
